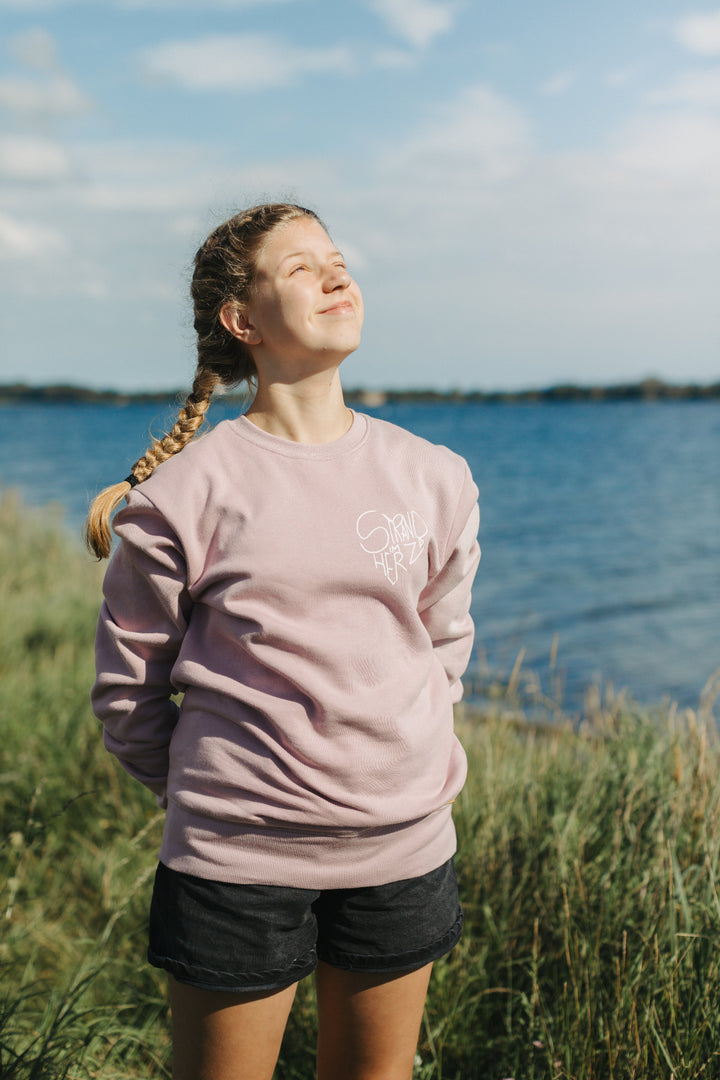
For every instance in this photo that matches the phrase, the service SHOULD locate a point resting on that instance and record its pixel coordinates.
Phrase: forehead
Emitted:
(299, 235)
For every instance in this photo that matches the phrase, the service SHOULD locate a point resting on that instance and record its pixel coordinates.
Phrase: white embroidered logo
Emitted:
(394, 542)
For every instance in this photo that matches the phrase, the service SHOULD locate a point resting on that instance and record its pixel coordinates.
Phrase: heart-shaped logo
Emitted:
(395, 541)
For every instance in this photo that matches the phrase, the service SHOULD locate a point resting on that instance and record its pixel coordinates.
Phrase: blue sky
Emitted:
(528, 193)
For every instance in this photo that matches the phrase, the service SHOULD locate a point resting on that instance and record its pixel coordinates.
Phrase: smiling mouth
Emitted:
(343, 308)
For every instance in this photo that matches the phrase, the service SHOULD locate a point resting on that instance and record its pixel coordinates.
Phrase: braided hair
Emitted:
(224, 273)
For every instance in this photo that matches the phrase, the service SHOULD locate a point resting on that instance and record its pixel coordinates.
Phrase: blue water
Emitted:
(599, 524)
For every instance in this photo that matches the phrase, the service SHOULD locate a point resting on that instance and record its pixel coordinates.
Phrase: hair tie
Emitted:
(132, 480)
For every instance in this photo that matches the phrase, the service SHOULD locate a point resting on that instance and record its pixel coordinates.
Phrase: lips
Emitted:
(342, 308)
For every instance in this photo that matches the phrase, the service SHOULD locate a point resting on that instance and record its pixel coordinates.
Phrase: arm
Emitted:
(140, 630)
(444, 605)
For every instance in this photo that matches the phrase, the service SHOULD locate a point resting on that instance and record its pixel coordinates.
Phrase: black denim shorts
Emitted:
(244, 938)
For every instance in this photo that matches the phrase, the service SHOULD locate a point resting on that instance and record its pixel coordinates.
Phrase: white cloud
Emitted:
(671, 148)
(692, 88)
(134, 177)
(51, 97)
(603, 254)
(558, 83)
(53, 93)
(195, 5)
(27, 6)
(700, 33)
(594, 262)
(36, 48)
(621, 76)
(418, 22)
(394, 59)
(240, 62)
(27, 240)
(477, 138)
(30, 158)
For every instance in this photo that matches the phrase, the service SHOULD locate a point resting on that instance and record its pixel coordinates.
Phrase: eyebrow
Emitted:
(298, 254)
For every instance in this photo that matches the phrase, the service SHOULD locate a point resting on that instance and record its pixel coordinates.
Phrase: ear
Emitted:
(236, 322)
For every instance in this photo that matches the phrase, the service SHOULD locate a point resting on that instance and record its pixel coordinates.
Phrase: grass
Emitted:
(588, 858)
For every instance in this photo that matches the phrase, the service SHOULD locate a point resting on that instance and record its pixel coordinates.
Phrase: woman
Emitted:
(302, 574)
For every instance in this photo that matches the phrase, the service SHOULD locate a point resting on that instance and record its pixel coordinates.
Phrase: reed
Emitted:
(588, 859)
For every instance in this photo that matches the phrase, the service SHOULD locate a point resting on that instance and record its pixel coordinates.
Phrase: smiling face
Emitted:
(305, 309)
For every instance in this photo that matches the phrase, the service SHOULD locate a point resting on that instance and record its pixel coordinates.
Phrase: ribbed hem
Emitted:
(336, 859)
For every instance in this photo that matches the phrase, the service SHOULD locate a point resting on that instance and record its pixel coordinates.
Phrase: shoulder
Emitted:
(186, 487)
(417, 452)
(184, 497)
(196, 463)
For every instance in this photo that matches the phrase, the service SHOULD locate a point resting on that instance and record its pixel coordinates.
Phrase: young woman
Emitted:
(302, 574)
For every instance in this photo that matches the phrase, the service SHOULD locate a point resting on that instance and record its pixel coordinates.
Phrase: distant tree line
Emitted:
(645, 390)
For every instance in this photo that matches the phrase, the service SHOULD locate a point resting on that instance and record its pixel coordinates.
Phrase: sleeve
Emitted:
(140, 630)
(444, 605)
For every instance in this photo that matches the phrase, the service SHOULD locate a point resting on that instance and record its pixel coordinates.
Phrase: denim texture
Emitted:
(245, 938)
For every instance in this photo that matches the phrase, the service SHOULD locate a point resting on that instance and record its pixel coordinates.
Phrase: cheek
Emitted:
(280, 312)
(295, 309)
(361, 306)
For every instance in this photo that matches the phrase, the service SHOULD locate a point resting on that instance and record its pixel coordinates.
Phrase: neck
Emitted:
(310, 411)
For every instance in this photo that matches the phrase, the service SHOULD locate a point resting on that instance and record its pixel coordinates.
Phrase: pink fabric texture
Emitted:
(312, 604)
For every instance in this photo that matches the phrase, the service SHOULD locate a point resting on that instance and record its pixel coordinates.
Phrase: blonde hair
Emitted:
(224, 272)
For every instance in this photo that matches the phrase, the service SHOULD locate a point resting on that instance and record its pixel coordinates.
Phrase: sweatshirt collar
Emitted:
(353, 437)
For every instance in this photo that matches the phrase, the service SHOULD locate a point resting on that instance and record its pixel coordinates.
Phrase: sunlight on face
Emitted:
(305, 305)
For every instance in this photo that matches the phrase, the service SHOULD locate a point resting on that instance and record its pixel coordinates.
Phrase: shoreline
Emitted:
(647, 390)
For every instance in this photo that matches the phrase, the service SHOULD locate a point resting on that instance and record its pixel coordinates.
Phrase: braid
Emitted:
(190, 418)
(224, 273)
(97, 527)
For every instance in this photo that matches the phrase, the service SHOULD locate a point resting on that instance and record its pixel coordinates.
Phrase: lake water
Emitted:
(600, 523)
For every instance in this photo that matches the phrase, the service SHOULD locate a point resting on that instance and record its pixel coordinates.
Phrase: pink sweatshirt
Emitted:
(312, 603)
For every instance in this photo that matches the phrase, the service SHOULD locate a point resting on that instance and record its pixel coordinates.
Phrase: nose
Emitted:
(337, 277)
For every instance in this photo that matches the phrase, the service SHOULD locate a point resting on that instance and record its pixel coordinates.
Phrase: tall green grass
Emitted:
(588, 859)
